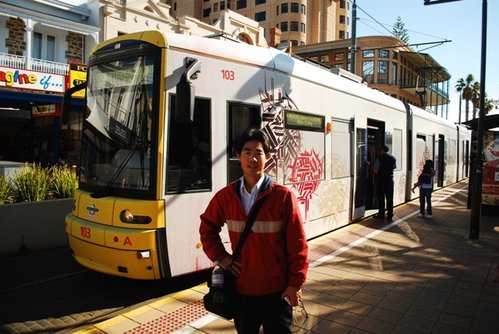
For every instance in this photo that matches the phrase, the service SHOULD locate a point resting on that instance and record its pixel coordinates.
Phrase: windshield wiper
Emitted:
(142, 145)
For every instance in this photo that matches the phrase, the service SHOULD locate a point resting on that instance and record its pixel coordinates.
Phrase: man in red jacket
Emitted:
(273, 264)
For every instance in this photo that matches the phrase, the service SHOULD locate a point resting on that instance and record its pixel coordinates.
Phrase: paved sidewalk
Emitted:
(413, 275)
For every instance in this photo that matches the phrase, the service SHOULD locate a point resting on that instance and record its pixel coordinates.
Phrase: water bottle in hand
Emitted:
(217, 282)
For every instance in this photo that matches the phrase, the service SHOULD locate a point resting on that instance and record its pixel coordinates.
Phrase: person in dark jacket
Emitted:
(384, 166)
(272, 267)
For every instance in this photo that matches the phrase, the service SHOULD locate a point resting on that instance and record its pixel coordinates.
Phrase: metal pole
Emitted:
(353, 49)
(476, 203)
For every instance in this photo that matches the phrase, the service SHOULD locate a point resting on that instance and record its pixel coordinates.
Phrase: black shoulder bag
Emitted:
(225, 307)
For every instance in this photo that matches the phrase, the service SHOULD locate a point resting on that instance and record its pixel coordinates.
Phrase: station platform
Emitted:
(410, 275)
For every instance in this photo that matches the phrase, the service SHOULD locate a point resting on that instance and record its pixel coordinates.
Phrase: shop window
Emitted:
(382, 71)
(368, 54)
(394, 73)
(368, 71)
(383, 53)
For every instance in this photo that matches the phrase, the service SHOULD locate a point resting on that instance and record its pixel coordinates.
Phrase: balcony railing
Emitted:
(34, 64)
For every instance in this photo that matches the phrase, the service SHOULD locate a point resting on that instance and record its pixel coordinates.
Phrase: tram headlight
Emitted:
(129, 218)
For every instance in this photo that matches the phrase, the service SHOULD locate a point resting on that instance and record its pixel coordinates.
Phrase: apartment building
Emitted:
(297, 22)
(388, 64)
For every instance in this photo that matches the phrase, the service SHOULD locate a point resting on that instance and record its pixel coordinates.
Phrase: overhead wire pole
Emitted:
(476, 203)
(353, 50)
(476, 190)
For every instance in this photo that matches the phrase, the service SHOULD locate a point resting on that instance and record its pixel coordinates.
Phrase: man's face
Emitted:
(253, 158)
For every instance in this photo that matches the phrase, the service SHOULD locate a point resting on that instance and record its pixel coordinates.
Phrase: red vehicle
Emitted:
(490, 187)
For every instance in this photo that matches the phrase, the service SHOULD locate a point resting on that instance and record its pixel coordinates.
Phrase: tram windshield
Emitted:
(117, 135)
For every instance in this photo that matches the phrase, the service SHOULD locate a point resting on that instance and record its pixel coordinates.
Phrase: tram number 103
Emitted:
(228, 75)
(85, 232)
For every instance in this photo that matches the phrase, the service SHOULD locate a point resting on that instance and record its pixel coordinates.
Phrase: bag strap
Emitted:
(247, 228)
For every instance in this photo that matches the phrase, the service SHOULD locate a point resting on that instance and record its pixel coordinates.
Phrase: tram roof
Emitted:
(280, 61)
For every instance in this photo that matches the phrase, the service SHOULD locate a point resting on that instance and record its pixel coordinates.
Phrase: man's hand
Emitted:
(293, 295)
(233, 266)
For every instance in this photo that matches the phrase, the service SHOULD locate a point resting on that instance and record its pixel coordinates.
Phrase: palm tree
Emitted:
(475, 98)
(463, 86)
(488, 105)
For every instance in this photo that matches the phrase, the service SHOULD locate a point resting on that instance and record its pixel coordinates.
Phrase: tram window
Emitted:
(241, 117)
(189, 150)
(340, 150)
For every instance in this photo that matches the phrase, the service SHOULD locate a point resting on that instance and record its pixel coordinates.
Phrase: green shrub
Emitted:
(63, 182)
(4, 190)
(31, 183)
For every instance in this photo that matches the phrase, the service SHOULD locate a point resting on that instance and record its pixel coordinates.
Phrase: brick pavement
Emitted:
(412, 275)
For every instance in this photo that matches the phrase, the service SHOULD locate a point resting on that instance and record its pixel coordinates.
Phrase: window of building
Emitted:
(341, 34)
(382, 71)
(284, 8)
(294, 42)
(259, 2)
(339, 56)
(303, 9)
(284, 26)
(395, 55)
(324, 59)
(215, 7)
(342, 19)
(383, 53)
(295, 7)
(368, 71)
(394, 73)
(294, 26)
(206, 12)
(368, 54)
(222, 5)
(277, 10)
(260, 16)
(43, 46)
(342, 3)
(302, 27)
(241, 4)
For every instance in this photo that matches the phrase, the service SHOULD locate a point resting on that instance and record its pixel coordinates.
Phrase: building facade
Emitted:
(43, 50)
(297, 22)
(39, 41)
(389, 65)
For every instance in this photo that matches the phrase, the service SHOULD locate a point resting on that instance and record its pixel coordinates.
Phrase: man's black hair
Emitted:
(385, 149)
(252, 134)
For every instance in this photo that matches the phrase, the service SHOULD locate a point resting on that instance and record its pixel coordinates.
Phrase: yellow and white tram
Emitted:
(163, 112)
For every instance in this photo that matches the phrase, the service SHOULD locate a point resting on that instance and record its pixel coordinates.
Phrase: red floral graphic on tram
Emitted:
(306, 173)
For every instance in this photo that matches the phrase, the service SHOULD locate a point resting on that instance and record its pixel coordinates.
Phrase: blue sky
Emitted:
(459, 21)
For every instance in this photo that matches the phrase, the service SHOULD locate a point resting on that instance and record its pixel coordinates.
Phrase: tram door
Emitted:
(360, 167)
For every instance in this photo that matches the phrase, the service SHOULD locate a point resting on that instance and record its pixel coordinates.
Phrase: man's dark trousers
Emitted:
(385, 191)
